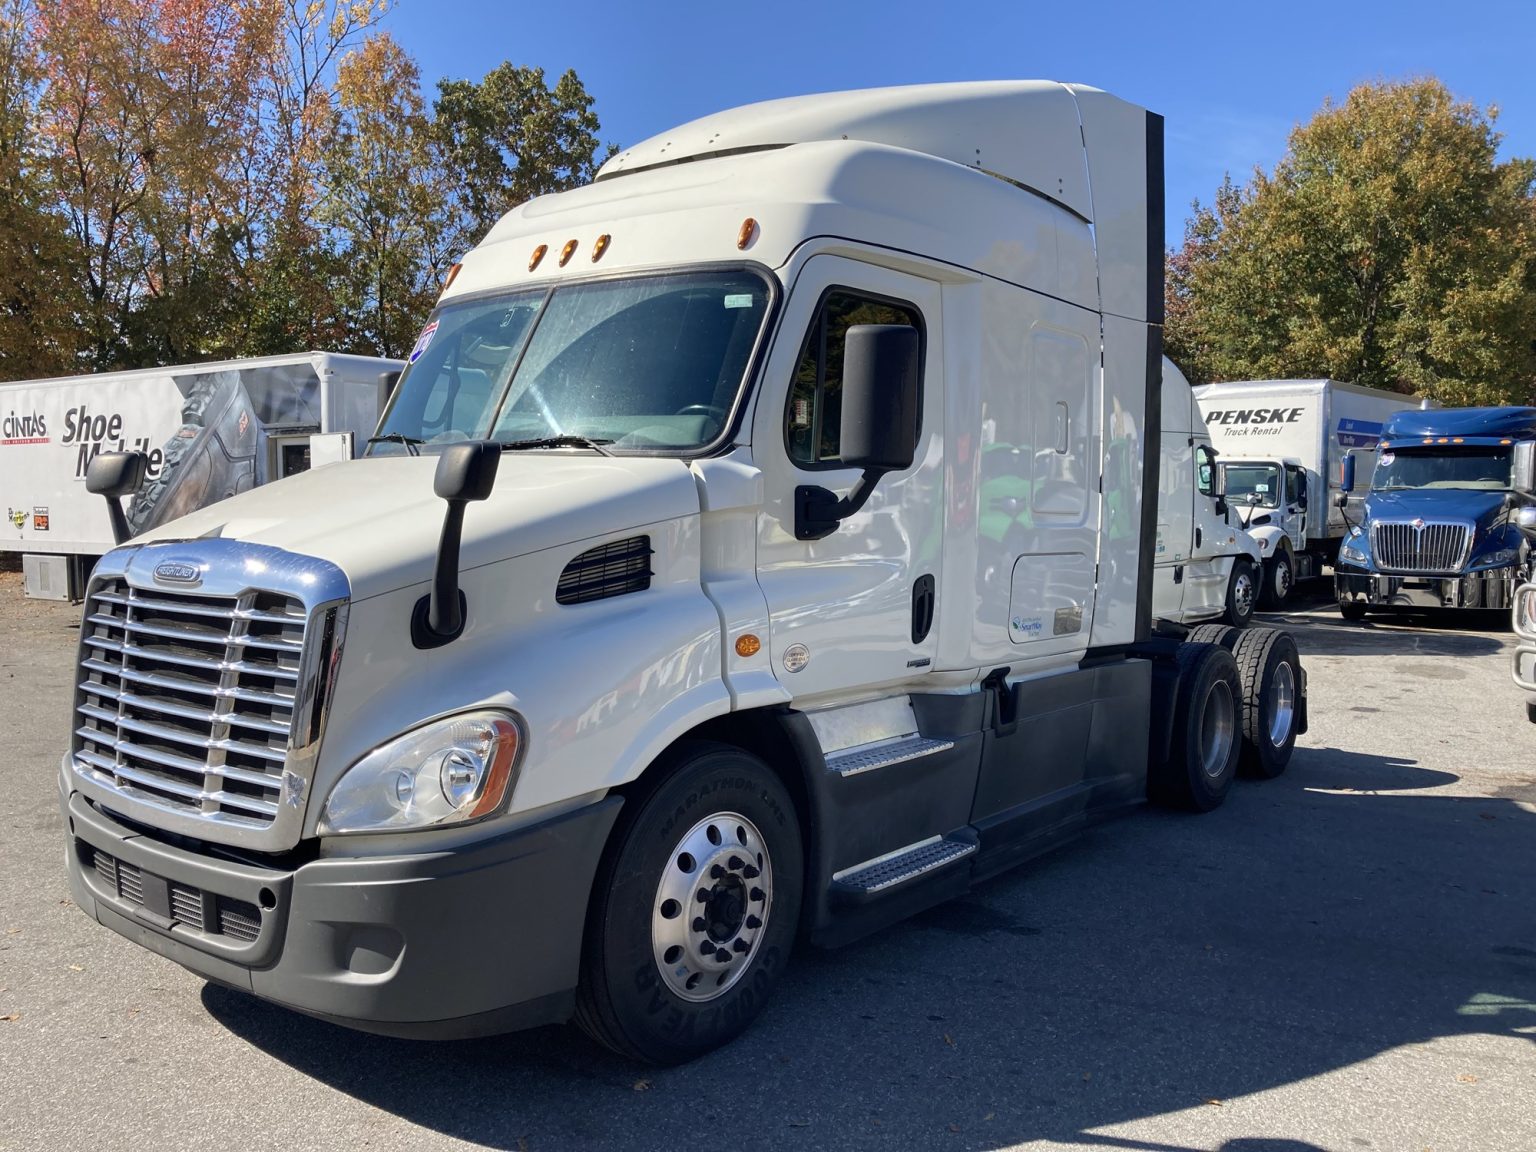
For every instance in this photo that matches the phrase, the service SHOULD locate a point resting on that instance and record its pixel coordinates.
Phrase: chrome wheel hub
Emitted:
(1282, 708)
(1218, 725)
(1242, 593)
(712, 906)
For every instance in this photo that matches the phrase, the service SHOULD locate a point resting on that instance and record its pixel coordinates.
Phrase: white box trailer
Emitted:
(209, 431)
(1282, 442)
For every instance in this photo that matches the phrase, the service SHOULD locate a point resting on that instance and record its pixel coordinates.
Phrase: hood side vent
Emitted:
(613, 569)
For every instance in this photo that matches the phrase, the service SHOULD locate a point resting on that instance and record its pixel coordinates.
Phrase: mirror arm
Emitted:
(119, 520)
(818, 512)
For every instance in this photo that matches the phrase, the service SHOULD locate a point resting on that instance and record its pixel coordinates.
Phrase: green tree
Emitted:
(510, 138)
(1390, 247)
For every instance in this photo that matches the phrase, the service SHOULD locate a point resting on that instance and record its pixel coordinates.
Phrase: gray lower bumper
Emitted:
(473, 941)
(1525, 665)
(1490, 589)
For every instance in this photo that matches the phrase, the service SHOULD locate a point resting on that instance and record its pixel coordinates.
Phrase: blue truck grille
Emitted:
(1419, 546)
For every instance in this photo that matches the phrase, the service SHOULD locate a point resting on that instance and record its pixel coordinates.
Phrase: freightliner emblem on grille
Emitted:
(178, 572)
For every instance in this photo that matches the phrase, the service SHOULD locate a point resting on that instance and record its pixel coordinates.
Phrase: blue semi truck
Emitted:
(1438, 528)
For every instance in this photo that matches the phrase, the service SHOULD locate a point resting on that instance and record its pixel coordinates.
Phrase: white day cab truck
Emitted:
(208, 431)
(669, 624)
(1283, 443)
(1206, 568)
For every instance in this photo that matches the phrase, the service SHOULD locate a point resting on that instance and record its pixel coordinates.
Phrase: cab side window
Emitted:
(1205, 467)
(813, 422)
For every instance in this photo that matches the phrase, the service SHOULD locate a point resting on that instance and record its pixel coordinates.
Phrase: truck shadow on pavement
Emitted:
(1163, 964)
(1418, 634)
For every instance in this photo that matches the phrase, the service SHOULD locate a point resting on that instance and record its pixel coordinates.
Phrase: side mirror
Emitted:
(1523, 478)
(1347, 473)
(879, 422)
(1219, 481)
(1301, 491)
(879, 411)
(1525, 520)
(115, 475)
(465, 472)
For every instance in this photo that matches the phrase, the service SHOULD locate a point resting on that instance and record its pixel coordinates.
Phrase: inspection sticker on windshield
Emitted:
(423, 340)
(1387, 458)
(739, 300)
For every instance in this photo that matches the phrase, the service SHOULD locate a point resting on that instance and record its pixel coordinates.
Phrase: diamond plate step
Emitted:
(919, 860)
(852, 761)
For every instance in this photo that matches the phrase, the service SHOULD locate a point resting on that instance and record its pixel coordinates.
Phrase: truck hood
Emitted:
(1485, 509)
(378, 520)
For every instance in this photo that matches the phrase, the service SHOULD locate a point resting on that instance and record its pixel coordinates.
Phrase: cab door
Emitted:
(856, 608)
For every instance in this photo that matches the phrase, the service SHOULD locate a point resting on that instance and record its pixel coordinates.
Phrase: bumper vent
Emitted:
(612, 569)
(1420, 547)
(205, 912)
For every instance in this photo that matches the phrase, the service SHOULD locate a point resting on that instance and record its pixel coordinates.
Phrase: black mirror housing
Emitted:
(1347, 473)
(465, 472)
(116, 474)
(880, 397)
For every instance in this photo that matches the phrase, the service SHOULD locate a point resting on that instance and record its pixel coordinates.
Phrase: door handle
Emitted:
(1197, 535)
(922, 608)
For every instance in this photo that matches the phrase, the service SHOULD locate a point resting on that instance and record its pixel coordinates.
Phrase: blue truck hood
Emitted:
(1485, 509)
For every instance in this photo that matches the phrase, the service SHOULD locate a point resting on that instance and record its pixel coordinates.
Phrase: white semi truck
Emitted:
(671, 622)
(1283, 443)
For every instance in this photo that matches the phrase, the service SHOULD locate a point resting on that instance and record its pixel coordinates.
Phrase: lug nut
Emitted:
(701, 895)
(757, 895)
(723, 956)
(736, 862)
(698, 924)
(740, 945)
(750, 872)
(754, 922)
(716, 872)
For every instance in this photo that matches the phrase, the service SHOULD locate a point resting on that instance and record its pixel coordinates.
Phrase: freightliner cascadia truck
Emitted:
(662, 629)
(1438, 528)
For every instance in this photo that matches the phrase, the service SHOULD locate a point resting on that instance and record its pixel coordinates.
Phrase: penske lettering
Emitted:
(1254, 416)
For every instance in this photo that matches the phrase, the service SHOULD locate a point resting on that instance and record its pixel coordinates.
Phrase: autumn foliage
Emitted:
(192, 179)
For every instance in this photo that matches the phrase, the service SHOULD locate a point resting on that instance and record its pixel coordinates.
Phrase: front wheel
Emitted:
(1352, 611)
(695, 910)
(1242, 594)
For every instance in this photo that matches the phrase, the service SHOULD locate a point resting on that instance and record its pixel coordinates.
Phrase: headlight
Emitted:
(1499, 559)
(448, 772)
(1348, 551)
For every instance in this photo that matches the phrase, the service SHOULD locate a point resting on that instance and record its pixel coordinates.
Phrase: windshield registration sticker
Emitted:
(423, 341)
(1387, 458)
(739, 300)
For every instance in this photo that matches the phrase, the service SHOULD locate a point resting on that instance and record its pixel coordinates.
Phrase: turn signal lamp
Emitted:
(1506, 441)
(748, 229)
(600, 247)
(538, 254)
(567, 252)
(748, 645)
(1457, 440)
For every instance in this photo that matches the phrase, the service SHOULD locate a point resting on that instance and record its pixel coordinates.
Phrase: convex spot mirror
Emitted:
(880, 397)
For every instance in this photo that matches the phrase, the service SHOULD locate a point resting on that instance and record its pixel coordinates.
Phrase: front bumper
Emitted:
(481, 939)
(1492, 588)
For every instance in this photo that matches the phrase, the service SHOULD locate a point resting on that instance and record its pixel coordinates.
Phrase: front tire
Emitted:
(695, 909)
(1353, 611)
(1242, 594)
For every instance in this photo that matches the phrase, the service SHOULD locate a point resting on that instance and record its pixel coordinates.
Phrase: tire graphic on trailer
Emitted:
(211, 457)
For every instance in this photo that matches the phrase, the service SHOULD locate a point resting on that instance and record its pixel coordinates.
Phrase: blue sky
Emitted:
(1231, 79)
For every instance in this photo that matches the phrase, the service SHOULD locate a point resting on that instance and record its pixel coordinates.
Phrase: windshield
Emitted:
(1473, 466)
(1256, 484)
(642, 364)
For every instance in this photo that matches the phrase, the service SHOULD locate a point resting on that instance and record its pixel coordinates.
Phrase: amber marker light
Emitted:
(453, 274)
(567, 252)
(499, 775)
(748, 645)
(748, 230)
(1506, 441)
(538, 255)
(1458, 440)
(600, 247)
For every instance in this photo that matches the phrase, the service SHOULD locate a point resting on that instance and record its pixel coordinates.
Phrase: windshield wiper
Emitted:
(564, 441)
(410, 442)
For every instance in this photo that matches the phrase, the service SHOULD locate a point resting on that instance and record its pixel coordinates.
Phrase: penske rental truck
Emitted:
(1283, 443)
(670, 622)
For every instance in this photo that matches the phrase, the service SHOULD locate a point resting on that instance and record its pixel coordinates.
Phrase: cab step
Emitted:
(881, 875)
(864, 758)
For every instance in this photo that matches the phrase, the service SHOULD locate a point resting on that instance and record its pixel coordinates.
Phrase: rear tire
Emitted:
(1242, 593)
(1352, 611)
(1279, 579)
(1270, 668)
(667, 976)
(1207, 728)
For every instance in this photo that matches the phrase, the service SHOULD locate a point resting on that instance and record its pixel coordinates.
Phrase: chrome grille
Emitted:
(205, 676)
(1421, 547)
(190, 699)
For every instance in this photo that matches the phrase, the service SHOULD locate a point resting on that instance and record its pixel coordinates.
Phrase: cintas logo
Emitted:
(29, 429)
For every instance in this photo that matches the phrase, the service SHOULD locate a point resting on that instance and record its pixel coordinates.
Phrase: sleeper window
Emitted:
(813, 423)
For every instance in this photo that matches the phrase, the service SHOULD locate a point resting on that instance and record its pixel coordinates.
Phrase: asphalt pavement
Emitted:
(1340, 959)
